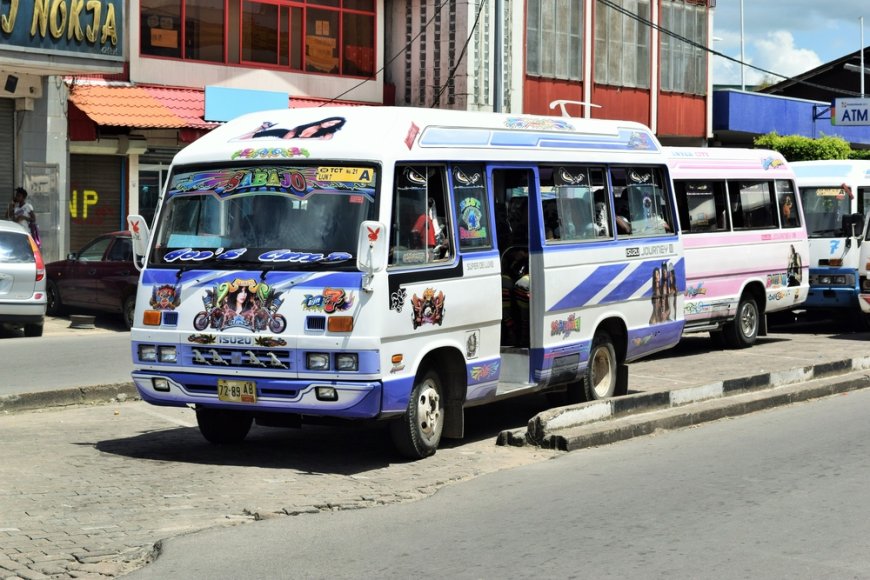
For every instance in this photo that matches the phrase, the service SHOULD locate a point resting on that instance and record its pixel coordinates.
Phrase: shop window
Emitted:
(160, 28)
(322, 36)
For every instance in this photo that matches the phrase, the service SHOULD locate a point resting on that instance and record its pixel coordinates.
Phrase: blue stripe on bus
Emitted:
(634, 281)
(625, 140)
(592, 285)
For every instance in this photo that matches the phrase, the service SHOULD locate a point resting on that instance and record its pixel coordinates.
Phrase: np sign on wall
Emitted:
(850, 112)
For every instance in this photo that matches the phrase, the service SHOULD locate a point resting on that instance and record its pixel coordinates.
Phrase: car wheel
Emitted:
(129, 311)
(600, 379)
(743, 330)
(53, 306)
(222, 427)
(416, 434)
(33, 329)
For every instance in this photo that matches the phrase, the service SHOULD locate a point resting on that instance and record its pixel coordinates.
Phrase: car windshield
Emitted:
(273, 214)
(824, 208)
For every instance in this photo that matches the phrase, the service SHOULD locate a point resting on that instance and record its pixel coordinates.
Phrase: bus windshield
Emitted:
(275, 214)
(824, 208)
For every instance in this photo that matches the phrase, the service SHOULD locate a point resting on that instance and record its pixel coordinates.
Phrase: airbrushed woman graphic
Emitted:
(322, 129)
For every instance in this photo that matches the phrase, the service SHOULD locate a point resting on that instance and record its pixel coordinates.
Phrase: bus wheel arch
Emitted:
(605, 375)
(748, 323)
(435, 406)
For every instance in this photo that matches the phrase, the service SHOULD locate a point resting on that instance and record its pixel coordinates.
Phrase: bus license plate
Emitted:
(237, 391)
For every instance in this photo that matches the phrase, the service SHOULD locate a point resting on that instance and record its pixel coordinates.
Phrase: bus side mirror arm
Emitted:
(141, 236)
(371, 251)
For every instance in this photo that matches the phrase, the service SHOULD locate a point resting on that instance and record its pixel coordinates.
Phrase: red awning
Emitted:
(155, 107)
(142, 106)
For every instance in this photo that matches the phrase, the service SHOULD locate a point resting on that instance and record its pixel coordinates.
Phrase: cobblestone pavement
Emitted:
(88, 491)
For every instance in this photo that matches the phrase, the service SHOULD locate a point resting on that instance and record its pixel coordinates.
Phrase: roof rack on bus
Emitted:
(562, 102)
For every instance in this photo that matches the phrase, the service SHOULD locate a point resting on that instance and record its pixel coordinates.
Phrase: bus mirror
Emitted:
(371, 250)
(852, 225)
(140, 235)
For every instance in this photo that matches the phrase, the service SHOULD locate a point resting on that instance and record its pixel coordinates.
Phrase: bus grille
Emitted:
(241, 358)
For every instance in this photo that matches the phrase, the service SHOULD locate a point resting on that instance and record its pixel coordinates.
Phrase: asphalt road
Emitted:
(65, 357)
(779, 494)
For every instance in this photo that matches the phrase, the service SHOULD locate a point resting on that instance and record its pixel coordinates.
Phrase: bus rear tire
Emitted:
(417, 433)
(223, 427)
(743, 330)
(600, 380)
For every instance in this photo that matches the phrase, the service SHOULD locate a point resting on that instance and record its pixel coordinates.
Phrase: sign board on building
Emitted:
(92, 29)
(853, 111)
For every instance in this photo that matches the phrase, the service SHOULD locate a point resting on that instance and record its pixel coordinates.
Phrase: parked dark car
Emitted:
(101, 276)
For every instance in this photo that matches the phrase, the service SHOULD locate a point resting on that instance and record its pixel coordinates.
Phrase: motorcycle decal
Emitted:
(245, 304)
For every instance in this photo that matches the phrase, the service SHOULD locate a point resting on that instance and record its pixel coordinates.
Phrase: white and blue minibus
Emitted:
(403, 264)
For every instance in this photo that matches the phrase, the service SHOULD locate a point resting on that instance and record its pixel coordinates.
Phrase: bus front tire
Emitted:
(599, 381)
(743, 330)
(223, 427)
(417, 433)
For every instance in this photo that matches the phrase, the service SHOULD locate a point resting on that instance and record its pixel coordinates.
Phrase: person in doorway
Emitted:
(21, 212)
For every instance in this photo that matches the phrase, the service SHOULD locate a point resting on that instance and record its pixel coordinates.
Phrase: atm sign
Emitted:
(850, 112)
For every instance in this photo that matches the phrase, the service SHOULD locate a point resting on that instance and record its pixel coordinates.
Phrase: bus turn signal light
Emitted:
(340, 324)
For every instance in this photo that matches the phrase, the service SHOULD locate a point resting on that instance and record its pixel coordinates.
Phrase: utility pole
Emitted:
(742, 52)
(498, 60)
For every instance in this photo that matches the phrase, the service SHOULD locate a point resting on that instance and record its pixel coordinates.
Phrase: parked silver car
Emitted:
(22, 280)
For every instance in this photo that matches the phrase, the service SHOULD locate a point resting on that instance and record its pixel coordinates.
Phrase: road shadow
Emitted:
(102, 320)
(344, 448)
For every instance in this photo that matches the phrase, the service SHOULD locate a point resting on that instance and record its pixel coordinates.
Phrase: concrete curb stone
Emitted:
(609, 420)
(88, 395)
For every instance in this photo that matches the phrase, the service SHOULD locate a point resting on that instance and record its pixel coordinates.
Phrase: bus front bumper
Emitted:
(342, 399)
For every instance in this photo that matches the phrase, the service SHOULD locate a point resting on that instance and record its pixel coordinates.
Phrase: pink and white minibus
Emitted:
(744, 238)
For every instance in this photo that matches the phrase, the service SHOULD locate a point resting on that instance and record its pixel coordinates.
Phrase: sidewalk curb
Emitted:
(611, 420)
(96, 394)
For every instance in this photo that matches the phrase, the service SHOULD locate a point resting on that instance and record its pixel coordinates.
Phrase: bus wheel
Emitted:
(743, 330)
(416, 434)
(221, 427)
(600, 379)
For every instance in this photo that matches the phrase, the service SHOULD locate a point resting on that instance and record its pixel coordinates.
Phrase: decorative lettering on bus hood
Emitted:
(281, 255)
(271, 153)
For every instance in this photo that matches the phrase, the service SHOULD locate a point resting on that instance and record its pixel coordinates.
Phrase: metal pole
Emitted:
(742, 52)
(862, 56)
(498, 59)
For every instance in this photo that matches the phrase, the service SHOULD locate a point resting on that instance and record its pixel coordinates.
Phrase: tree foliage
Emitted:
(798, 148)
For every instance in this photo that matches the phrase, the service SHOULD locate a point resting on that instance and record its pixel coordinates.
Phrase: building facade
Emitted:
(39, 43)
(98, 100)
(639, 60)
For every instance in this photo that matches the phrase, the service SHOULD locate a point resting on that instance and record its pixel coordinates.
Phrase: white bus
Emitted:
(835, 195)
(403, 264)
(744, 239)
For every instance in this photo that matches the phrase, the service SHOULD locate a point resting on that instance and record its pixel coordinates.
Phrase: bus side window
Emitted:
(641, 202)
(702, 205)
(788, 209)
(472, 207)
(751, 204)
(420, 228)
(575, 203)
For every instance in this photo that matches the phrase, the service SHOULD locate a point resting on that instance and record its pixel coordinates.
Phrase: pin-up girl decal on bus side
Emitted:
(322, 129)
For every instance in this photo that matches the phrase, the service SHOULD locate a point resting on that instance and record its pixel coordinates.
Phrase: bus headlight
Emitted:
(347, 361)
(148, 352)
(825, 280)
(167, 354)
(317, 361)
